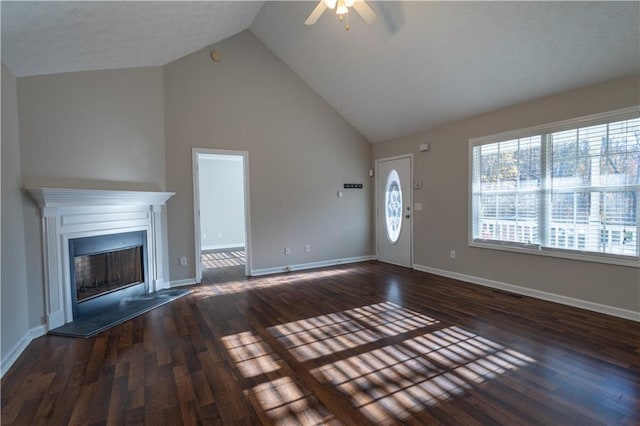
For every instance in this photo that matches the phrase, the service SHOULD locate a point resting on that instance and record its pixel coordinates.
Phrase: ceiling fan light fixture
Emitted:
(331, 4)
(342, 8)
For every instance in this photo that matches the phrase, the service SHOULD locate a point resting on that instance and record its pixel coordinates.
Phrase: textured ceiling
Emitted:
(53, 37)
(421, 64)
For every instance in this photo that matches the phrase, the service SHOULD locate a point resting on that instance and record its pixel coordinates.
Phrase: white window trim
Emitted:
(616, 115)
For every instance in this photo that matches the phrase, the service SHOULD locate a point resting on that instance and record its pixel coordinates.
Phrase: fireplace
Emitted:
(85, 226)
(106, 269)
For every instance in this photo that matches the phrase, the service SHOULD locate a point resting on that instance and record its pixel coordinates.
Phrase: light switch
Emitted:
(417, 206)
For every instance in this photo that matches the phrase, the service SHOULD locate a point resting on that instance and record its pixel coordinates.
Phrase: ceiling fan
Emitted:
(342, 8)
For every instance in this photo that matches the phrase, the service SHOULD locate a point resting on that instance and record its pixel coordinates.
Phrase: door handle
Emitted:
(408, 216)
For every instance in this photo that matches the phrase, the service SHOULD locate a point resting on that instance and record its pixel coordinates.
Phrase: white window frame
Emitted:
(591, 120)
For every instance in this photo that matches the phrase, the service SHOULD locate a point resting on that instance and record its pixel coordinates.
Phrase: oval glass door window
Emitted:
(393, 206)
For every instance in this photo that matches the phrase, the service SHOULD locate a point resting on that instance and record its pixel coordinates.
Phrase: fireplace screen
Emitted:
(105, 272)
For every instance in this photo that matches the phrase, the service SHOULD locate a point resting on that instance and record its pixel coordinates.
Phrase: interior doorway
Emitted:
(221, 213)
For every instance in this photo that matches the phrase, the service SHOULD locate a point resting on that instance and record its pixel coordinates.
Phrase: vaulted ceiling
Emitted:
(421, 64)
(52, 37)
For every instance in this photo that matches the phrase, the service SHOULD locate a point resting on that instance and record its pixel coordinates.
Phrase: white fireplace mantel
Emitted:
(68, 197)
(69, 213)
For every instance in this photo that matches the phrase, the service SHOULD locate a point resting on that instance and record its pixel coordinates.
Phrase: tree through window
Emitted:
(575, 189)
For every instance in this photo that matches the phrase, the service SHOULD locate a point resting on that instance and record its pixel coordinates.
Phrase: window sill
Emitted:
(629, 261)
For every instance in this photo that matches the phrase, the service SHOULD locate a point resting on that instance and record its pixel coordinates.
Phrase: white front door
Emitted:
(393, 210)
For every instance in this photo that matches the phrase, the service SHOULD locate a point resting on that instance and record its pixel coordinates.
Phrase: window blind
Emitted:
(575, 189)
(506, 191)
(594, 188)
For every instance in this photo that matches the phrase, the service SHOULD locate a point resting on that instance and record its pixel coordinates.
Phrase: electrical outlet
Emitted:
(453, 254)
(307, 248)
(287, 251)
(183, 261)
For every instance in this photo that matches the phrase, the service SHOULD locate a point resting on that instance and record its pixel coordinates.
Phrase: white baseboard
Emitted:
(180, 283)
(19, 347)
(310, 265)
(38, 331)
(538, 294)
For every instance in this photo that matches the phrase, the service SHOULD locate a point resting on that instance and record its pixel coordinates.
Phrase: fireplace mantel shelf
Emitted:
(62, 197)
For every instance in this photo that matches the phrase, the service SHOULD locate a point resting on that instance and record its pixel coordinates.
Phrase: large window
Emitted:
(570, 189)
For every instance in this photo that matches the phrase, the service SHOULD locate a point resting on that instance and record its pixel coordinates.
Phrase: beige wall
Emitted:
(13, 289)
(443, 224)
(95, 129)
(300, 153)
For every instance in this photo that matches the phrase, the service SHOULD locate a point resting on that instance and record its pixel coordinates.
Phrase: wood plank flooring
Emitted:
(359, 344)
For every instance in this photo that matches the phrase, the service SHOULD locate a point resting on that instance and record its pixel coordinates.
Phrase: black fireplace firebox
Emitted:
(105, 270)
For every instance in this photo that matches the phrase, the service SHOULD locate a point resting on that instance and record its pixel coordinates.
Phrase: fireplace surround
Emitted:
(70, 215)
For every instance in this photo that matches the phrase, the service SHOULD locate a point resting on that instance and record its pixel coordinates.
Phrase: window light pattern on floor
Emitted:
(250, 353)
(222, 259)
(277, 398)
(397, 380)
(327, 334)
(284, 403)
(425, 364)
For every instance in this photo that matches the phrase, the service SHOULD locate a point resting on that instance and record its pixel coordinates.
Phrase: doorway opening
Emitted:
(221, 214)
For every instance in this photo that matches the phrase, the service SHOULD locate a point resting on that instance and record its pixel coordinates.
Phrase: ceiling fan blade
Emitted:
(313, 17)
(365, 11)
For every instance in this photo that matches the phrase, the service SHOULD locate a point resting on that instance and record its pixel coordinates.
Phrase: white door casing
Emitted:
(196, 153)
(394, 212)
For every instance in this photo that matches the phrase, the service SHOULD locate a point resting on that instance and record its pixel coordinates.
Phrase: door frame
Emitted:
(375, 198)
(196, 207)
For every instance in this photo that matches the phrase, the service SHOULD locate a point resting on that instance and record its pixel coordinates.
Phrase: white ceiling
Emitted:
(52, 37)
(421, 64)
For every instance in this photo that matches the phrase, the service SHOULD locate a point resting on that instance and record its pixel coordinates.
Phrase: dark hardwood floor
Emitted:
(358, 344)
